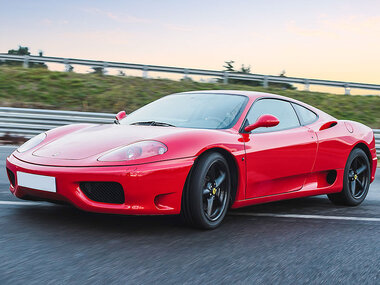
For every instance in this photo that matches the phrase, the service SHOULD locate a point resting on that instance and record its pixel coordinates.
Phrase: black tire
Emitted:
(356, 180)
(209, 183)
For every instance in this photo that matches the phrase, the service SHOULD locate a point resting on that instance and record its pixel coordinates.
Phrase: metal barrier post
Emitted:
(68, 67)
(225, 77)
(26, 61)
(105, 65)
(145, 72)
(265, 83)
(307, 85)
(347, 89)
(186, 73)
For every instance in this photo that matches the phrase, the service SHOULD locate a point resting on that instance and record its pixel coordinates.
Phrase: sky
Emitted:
(334, 39)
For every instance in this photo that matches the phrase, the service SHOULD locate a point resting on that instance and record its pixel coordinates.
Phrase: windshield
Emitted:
(194, 110)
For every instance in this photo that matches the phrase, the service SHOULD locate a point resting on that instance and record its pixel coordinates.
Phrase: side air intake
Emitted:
(328, 125)
(11, 177)
(104, 192)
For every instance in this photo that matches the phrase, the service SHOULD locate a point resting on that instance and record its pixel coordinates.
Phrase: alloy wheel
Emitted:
(358, 177)
(215, 191)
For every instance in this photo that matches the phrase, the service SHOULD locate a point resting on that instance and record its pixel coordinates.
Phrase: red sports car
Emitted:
(198, 154)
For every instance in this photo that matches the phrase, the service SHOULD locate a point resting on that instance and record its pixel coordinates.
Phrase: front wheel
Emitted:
(207, 195)
(356, 180)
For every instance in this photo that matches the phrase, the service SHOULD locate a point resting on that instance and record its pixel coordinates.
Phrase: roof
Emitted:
(251, 94)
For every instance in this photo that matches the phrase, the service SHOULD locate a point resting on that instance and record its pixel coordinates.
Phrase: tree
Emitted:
(23, 51)
(69, 68)
(229, 66)
(282, 85)
(245, 69)
(20, 51)
(98, 70)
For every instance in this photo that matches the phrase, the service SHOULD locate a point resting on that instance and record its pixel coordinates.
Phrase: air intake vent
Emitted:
(328, 125)
(11, 177)
(104, 192)
(331, 177)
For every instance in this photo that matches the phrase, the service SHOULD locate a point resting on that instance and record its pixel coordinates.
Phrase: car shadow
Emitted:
(310, 204)
(68, 216)
(57, 216)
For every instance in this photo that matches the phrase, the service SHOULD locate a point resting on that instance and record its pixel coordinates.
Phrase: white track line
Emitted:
(19, 203)
(297, 216)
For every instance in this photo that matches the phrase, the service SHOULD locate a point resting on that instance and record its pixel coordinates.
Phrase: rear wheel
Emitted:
(207, 195)
(356, 180)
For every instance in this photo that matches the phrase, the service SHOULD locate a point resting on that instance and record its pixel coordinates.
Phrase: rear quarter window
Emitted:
(306, 116)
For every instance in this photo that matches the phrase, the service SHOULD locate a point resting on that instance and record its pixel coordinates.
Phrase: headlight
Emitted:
(134, 151)
(33, 142)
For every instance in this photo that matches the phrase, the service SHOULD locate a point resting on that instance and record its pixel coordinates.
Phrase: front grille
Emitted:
(11, 177)
(105, 192)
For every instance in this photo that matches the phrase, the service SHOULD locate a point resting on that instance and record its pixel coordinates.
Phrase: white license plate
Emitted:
(34, 181)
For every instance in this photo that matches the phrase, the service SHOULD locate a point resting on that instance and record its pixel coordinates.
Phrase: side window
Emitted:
(306, 116)
(283, 110)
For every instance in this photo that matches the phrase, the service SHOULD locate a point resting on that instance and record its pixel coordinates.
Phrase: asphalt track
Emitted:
(302, 241)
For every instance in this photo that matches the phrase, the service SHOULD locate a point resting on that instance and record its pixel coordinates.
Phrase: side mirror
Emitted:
(119, 116)
(264, 121)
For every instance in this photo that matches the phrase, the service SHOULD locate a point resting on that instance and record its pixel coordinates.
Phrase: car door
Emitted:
(278, 159)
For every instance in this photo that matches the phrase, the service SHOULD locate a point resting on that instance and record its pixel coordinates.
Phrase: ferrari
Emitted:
(198, 154)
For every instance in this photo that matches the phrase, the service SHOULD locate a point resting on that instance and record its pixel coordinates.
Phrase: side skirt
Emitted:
(315, 184)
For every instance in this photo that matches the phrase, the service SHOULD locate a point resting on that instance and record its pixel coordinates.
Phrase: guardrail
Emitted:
(29, 122)
(266, 79)
(377, 140)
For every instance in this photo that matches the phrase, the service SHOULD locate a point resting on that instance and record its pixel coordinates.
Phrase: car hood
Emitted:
(98, 139)
(82, 145)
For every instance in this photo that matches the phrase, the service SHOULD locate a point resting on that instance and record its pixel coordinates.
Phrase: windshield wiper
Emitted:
(153, 123)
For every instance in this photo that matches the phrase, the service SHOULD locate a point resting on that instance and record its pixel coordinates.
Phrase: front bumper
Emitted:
(149, 189)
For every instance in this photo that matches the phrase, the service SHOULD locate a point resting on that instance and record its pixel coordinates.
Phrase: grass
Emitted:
(41, 88)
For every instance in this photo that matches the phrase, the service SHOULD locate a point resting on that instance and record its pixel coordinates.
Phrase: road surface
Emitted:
(303, 241)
